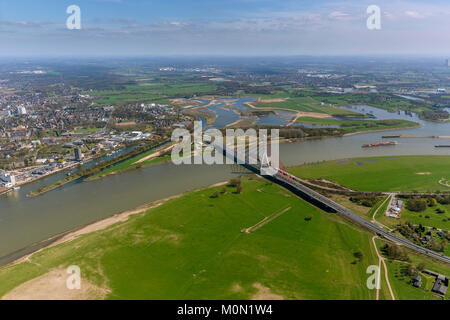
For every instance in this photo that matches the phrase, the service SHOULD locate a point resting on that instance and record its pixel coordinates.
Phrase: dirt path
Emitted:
(381, 260)
(444, 182)
(378, 209)
(308, 114)
(155, 154)
(265, 221)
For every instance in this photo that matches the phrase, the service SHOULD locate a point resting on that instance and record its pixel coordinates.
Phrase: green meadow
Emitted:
(399, 173)
(152, 92)
(359, 125)
(429, 218)
(404, 173)
(400, 280)
(379, 100)
(132, 164)
(307, 104)
(192, 247)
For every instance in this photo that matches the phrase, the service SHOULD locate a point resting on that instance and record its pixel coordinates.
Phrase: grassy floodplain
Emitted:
(400, 173)
(306, 104)
(192, 247)
(132, 163)
(403, 173)
(359, 125)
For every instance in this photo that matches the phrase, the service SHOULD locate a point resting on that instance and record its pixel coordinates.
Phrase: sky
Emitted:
(223, 28)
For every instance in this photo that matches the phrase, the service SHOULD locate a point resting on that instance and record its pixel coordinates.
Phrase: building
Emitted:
(440, 285)
(417, 281)
(447, 62)
(8, 179)
(78, 154)
(21, 110)
(394, 208)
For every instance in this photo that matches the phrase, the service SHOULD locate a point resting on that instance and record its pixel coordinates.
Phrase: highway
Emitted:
(295, 182)
(284, 178)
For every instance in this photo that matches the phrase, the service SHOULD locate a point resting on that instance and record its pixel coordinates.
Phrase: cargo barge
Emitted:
(442, 146)
(380, 144)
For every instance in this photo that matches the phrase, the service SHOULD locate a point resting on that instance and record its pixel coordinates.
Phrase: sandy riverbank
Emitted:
(156, 153)
(104, 223)
(381, 130)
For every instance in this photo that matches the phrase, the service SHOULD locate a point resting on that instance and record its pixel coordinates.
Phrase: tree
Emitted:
(215, 194)
(358, 255)
(411, 270)
(417, 205)
(421, 266)
(432, 202)
(239, 188)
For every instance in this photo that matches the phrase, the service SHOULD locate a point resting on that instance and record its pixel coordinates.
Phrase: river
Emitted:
(25, 223)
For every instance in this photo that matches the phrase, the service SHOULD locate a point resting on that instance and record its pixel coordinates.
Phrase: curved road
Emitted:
(283, 177)
(295, 182)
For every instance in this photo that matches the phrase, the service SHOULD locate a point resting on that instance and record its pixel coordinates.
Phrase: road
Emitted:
(285, 178)
(295, 182)
(386, 273)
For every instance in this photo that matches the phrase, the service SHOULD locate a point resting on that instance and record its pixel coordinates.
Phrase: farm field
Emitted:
(153, 92)
(192, 247)
(401, 173)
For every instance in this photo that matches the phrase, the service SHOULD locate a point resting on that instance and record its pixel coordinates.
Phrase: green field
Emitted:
(192, 247)
(402, 287)
(131, 164)
(429, 218)
(406, 173)
(401, 173)
(379, 100)
(359, 125)
(400, 280)
(154, 92)
(307, 104)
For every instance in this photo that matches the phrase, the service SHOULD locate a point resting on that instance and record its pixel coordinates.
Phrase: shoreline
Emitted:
(71, 178)
(45, 176)
(101, 224)
(158, 152)
(380, 130)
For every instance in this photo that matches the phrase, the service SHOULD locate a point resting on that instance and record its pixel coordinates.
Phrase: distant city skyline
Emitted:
(223, 28)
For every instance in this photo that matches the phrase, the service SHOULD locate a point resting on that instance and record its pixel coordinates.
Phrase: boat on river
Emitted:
(380, 144)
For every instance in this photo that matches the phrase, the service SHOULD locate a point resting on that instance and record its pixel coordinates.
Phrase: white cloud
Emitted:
(415, 14)
(339, 15)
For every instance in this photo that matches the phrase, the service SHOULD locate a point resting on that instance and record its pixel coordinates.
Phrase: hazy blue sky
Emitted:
(226, 27)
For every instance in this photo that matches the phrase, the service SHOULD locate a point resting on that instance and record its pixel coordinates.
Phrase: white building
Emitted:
(21, 110)
(8, 179)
